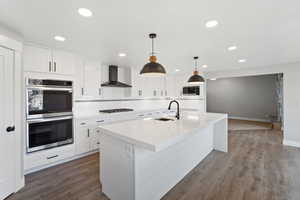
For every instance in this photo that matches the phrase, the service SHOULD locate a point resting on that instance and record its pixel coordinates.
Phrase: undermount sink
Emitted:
(165, 119)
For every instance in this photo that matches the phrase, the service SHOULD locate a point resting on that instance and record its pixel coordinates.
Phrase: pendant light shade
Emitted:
(196, 78)
(153, 67)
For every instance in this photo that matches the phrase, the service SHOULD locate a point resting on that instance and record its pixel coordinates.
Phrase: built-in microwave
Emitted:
(47, 133)
(192, 90)
(48, 98)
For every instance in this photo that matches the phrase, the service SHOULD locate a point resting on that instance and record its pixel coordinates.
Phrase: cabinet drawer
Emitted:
(46, 157)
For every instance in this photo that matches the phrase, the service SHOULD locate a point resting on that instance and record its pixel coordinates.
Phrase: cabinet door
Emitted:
(137, 84)
(170, 86)
(37, 59)
(79, 78)
(82, 137)
(94, 140)
(92, 79)
(63, 62)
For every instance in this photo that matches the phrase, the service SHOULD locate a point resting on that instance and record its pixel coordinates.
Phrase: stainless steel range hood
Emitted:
(113, 78)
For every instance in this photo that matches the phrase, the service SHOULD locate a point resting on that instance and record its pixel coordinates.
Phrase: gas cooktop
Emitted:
(116, 110)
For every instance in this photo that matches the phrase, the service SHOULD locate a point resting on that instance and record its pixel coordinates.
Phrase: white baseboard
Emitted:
(291, 143)
(58, 163)
(249, 119)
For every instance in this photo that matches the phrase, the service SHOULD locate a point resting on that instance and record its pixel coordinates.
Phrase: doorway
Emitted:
(252, 102)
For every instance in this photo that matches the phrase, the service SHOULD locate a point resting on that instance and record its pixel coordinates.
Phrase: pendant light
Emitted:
(153, 67)
(196, 78)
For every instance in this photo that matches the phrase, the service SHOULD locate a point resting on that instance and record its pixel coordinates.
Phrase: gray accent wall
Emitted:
(252, 97)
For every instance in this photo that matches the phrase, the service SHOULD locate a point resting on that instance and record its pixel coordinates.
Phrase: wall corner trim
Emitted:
(291, 143)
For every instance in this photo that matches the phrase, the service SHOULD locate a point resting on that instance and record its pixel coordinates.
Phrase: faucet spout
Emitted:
(169, 108)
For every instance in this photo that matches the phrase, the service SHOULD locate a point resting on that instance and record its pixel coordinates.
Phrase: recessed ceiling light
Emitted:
(85, 12)
(122, 54)
(177, 70)
(204, 66)
(213, 79)
(232, 48)
(211, 24)
(59, 38)
(242, 60)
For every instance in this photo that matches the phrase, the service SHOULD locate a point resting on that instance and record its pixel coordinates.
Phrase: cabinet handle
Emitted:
(82, 91)
(49, 66)
(52, 157)
(83, 123)
(140, 92)
(99, 91)
(54, 66)
(88, 132)
(100, 121)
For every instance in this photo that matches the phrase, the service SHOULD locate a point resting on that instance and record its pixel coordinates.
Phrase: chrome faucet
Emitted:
(177, 114)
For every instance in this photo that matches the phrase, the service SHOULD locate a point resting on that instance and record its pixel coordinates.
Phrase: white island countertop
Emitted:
(155, 135)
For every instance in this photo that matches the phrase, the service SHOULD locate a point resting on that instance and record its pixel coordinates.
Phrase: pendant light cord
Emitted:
(152, 46)
(196, 65)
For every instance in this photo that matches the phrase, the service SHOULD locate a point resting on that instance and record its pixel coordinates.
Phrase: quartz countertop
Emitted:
(155, 135)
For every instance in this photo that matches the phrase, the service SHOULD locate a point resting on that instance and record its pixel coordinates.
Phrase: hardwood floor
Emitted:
(257, 167)
(243, 125)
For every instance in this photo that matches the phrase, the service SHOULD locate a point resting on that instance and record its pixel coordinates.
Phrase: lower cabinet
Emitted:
(86, 136)
(47, 157)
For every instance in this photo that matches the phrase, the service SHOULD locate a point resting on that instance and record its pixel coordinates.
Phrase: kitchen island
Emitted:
(143, 159)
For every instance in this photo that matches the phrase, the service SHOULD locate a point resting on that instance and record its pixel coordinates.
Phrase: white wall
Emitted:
(291, 94)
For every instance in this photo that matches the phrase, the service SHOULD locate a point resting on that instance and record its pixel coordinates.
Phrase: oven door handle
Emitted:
(33, 121)
(50, 88)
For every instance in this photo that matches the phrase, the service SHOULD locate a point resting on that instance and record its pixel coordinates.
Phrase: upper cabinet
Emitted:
(63, 62)
(143, 86)
(87, 79)
(38, 59)
(92, 79)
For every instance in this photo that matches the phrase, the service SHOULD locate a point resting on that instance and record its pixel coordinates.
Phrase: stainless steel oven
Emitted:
(47, 133)
(48, 98)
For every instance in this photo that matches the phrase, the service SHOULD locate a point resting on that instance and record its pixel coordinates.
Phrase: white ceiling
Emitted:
(265, 31)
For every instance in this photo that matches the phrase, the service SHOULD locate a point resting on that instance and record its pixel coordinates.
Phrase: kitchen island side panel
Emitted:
(157, 172)
(116, 168)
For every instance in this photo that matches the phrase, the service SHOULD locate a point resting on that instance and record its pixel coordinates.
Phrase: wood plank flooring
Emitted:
(257, 167)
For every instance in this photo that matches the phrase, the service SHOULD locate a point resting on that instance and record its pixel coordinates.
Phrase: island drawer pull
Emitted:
(99, 121)
(142, 115)
(50, 157)
(83, 123)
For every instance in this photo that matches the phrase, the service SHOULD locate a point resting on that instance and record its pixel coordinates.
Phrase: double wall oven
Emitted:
(49, 113)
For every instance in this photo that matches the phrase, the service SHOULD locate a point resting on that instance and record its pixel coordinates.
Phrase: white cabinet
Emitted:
(38, 59)
(170, 86)
(143, 86)
(86, 136)
(87, 79)
(92, 79)
(79, 78)
(82, 137)
(63, 62)
(46, 157)
(95, 139)
(137, 84)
